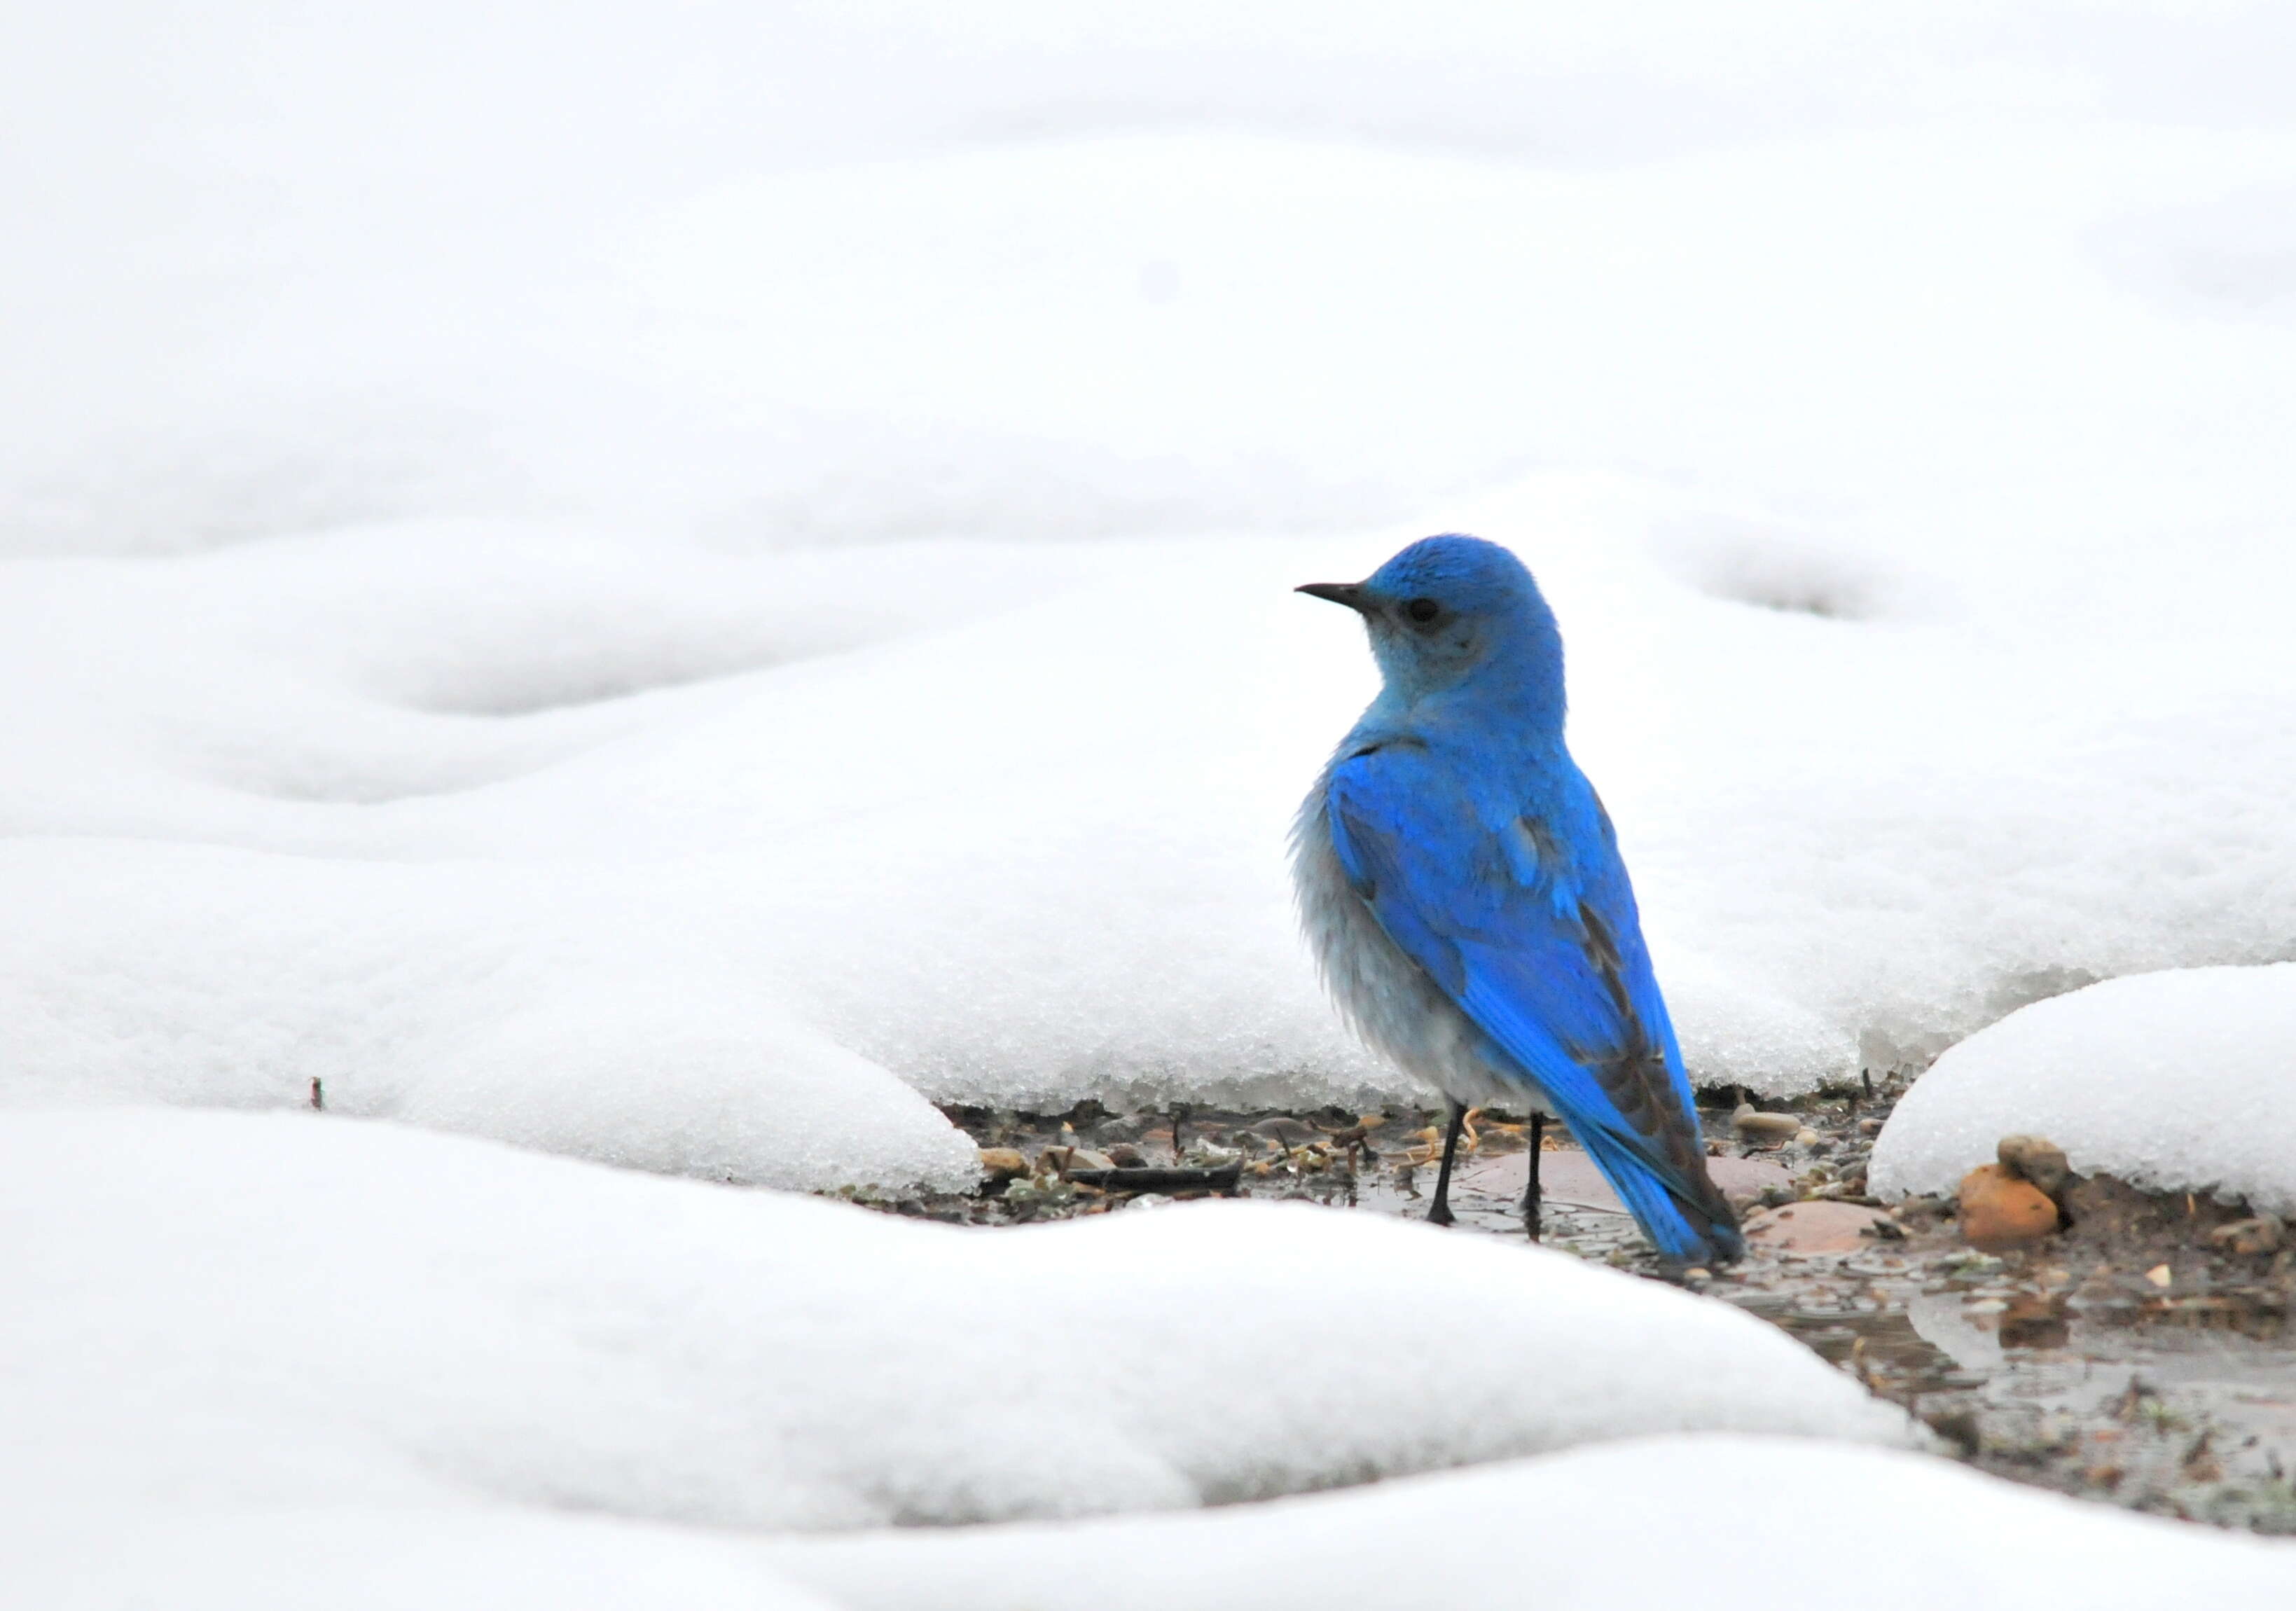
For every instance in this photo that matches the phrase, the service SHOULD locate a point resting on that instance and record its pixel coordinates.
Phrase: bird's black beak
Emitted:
(1349, 594)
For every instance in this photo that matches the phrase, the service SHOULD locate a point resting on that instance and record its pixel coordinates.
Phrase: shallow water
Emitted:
(2128, 1363)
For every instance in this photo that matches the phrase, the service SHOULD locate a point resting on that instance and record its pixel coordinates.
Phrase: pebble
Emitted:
(1066, 1158)
(1774, 1128)
(1813, 1228)
(2249, 1237)
(1999, 1211)
(1003, 1163)
(2036, 1159)
(1806, 1137)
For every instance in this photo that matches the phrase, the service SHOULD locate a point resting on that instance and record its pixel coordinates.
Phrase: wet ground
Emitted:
(2129, 1359)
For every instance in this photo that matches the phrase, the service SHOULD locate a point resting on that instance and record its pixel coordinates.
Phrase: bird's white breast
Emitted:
(1388, 999)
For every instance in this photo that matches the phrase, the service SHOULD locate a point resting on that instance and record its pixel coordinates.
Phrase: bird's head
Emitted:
(1449, 610)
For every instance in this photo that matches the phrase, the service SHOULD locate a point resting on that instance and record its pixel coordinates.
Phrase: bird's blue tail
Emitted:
(1683, 1221)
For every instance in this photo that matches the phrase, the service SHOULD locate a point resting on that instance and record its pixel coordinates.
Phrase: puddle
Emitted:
(2124, 1362)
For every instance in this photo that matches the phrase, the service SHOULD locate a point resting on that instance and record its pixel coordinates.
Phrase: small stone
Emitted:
(1003, 1163)
(1806, 1137)
(1061, 1160)
(2036, 1159)
(1771, 1127)
(1999, 1211)
(2160, 1275)
(1124, 1155)
(1869, 1127)
(1813, 1228)
(2250, 1238)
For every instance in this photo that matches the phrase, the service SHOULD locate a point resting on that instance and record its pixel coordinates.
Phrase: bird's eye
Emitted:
(1421, 610)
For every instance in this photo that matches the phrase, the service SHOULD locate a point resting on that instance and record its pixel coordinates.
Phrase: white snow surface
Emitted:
(1626, 1524)
(538, 593)
(2180, 1080)
(251, 1315)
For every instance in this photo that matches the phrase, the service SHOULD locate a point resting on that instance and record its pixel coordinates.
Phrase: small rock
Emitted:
(1869, 1127)
(2036, 1159)
(1003, 1163)
(2160, 1275)
(1999, 1211)
(2249, 1237)
(1061, 1160)
(1771, 1127)
(1806, 1137)
(1064, 1159)
(1124, 1155)
(1813, 1228)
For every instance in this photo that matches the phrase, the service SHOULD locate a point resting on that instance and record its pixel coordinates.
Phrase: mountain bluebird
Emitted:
(1461, 884)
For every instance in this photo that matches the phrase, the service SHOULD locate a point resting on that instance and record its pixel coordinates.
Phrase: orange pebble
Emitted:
(1999, 1211)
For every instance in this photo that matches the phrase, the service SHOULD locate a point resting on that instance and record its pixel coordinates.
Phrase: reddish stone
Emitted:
(1813, 1228)
(1999, 1211)
(1569, 1176)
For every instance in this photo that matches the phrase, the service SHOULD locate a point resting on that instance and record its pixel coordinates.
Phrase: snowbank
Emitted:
(654, 724)
(1707, 1521)
(466, 1558)
(2183, 1081)
(695, 862)
(218, 1312)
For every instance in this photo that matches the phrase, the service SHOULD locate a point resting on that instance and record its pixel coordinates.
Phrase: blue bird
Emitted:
(1461, 888)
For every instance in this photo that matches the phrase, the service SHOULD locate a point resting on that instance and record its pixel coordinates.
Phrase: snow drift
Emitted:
(2183, 1081)
(1626, 1524)
(220, 1312)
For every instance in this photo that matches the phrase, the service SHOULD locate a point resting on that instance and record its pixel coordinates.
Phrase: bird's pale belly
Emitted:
(1387, 997)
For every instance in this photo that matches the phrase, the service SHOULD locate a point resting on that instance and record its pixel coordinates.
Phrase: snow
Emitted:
(566, 646)
(710, 863)
(2177, 1081)
(554, 620)
(1711, 1521)
(408, 1560)
(252, 1316)
(676, 588)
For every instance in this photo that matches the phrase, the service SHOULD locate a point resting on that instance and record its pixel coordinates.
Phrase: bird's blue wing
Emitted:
(1524, 917)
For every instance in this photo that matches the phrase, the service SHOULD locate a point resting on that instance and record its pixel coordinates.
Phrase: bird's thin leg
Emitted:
(1530, 1192)
(1438, 1212)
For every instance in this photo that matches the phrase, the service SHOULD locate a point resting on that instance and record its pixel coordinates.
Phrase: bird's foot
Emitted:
(1440, 1214)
